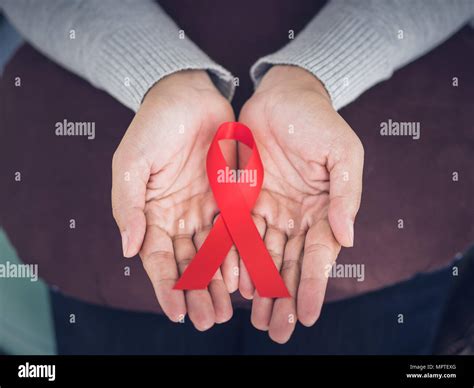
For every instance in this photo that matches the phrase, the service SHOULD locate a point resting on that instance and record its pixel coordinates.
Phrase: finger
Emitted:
(230, 270)
(320, 253)
(198, 302)
(220, 298)
(345, 168)
(158, 260)
(217, 288)
(246, 286)
(275, 241)
(130, 173)
(284, 317)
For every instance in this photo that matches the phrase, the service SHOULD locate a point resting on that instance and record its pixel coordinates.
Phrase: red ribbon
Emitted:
(235, 225)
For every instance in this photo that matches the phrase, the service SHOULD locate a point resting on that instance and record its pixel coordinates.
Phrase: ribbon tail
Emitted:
(252, 250)
(260, 265)
(208, 259)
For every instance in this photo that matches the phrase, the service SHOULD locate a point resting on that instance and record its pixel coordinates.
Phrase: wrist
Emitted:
(283, 77)
(184, 81)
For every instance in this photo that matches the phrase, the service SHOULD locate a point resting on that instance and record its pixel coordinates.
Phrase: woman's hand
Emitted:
(310, 196)
(161, 197)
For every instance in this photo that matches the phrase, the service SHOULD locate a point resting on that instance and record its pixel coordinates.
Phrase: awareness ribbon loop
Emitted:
(234, 225)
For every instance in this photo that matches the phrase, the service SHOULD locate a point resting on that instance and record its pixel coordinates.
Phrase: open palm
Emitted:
(310, 195)
(161, 196)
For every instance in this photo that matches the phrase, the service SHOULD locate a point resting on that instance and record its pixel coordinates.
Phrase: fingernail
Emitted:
(124, 242)
(351, 233)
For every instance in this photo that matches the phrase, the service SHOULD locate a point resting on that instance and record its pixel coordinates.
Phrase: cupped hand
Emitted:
(161, 198)
(310, 195)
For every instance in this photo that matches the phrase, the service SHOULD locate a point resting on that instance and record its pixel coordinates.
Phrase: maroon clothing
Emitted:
(65, 178)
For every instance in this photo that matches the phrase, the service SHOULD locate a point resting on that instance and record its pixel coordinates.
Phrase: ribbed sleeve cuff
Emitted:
(131, 60)
(341, 49)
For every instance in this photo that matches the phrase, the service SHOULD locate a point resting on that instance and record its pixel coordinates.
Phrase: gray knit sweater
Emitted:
(126, 46)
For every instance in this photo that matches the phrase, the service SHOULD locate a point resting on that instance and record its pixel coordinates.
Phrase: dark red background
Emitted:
(64, 178)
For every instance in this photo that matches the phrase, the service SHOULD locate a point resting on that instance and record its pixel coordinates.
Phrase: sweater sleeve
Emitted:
(123, 47)
(352, 45)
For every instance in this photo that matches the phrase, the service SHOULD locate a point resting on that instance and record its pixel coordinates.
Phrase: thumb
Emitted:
(130, 175)
(345, 191)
